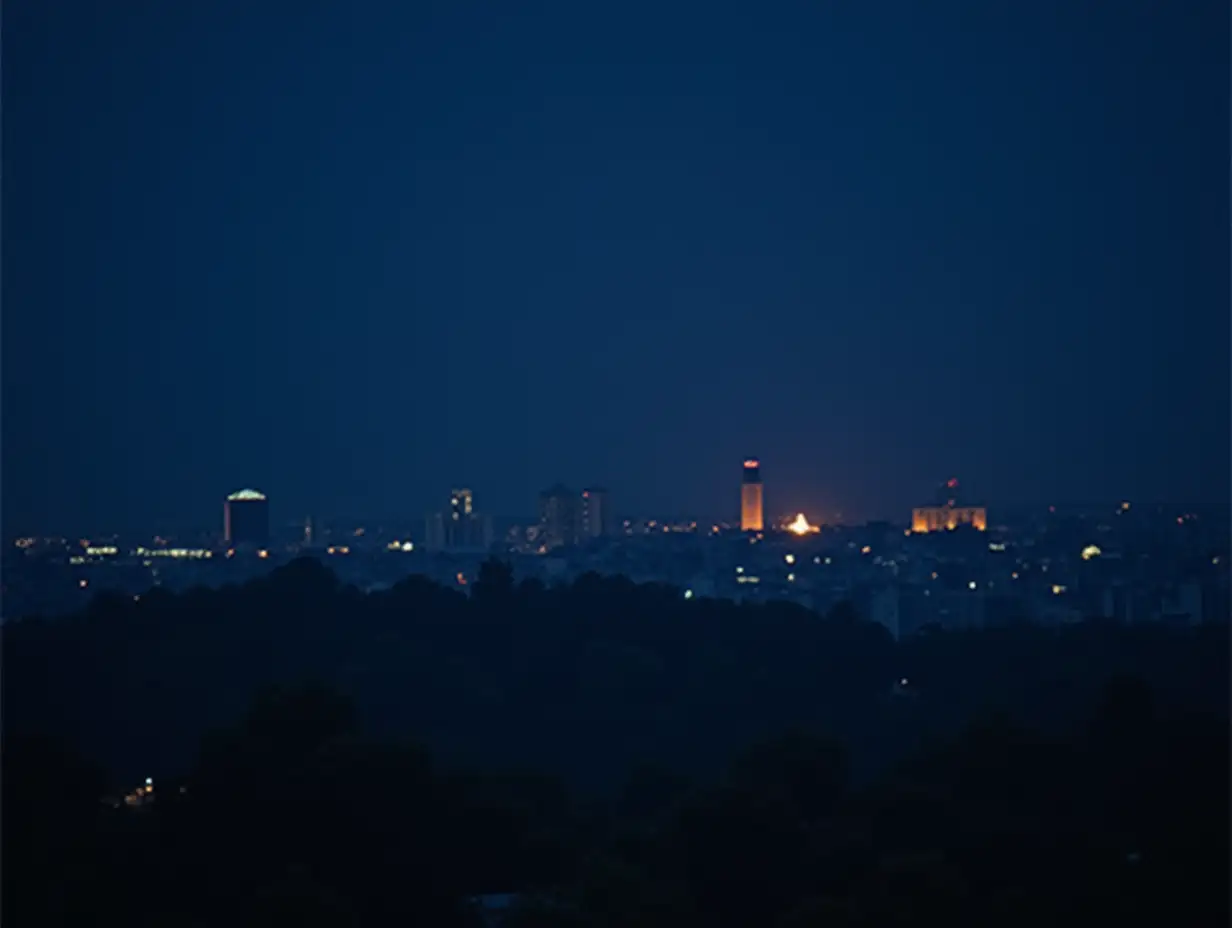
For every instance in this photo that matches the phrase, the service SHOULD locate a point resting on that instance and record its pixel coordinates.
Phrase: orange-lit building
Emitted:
(751, 498)
(948, 512)
(944, 518)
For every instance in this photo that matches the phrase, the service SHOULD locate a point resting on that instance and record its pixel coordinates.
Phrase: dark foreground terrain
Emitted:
(603, 754)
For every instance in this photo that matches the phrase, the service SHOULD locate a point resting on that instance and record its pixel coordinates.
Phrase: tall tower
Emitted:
(559, 516)
(245, 518)
(750, 497)
(596, 517)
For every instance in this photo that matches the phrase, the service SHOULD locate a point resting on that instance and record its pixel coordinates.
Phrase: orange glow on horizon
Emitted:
(801, 526)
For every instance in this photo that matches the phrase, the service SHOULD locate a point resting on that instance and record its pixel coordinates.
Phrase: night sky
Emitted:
(354, 253)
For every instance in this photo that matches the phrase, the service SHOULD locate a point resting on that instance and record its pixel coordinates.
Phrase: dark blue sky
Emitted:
(355, 252)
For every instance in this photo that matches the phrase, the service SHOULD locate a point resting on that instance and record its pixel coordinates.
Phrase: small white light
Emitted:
(688, 594)
(971, 585)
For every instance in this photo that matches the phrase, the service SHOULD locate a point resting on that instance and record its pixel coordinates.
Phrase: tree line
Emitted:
(606, 754)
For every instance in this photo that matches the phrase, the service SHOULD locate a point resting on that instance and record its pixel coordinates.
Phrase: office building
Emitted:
(461, 504)
(559, 516)
(460, 527)
(948, 512)
(596, 513)
(245, 519)
(751, 497)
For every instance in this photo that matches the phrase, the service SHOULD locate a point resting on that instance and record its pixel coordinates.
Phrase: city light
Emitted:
(801, 526)
(1091, 551)
(245, 496)
(688, 594)
(789, 558)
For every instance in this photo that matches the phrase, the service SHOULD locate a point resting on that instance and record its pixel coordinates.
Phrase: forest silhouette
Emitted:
(601, 753)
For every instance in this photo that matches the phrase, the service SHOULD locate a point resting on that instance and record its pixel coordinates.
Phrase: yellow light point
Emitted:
(262, 553)
(789, 558)
(801, 526)
(1057, 589)
(866, 550)
(1091, 551)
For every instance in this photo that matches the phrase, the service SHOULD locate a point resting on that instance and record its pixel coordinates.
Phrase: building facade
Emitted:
(948, 512)
(751, 502)
(559, 516)
(245, 519)
(596, 515)
(947, 518)
(460, 527)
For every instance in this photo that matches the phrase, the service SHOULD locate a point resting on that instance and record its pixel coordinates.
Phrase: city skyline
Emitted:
(948, 507)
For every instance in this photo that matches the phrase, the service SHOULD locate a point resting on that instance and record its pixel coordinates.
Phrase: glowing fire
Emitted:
(801, 525)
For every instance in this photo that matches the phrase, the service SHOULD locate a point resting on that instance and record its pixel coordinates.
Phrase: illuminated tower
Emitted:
(461, 504)
(458, 528)
(245, 518)
(750, 497)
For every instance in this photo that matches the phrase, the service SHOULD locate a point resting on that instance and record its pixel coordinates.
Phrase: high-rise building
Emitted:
(245, 518)
(459, 528)
(558, 516)
(461, 504)
(751, 497)
(596, 513)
